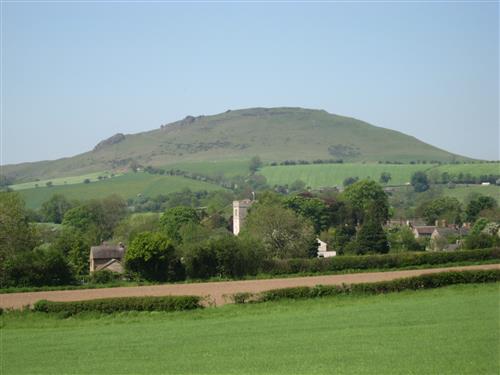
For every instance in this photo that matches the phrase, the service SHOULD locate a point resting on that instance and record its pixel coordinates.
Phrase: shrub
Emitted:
(103, 277)
(112, 305)
(40, 267)
(385, 261)
(427, 281)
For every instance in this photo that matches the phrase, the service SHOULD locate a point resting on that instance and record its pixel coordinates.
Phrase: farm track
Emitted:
(218, 290)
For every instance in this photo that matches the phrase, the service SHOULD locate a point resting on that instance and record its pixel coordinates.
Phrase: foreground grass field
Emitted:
(453, 330)
(127, 186)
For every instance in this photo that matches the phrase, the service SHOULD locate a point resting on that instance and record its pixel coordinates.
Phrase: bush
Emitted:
(428, 281)
(40, 267)
(365, 262)
(103, 277)
(112, 305)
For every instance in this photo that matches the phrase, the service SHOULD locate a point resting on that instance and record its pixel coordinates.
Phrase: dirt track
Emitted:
(217, 290)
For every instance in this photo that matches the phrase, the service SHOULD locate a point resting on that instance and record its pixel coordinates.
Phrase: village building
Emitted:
(323, 250)
(447, 239)
(107, 257)
(424, 231)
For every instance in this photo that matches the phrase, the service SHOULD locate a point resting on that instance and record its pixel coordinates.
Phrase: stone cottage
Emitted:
(107, 257)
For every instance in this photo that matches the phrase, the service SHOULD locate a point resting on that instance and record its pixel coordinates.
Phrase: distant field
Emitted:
(476, 169)
(452, 330)
(321, 175)
(462, 192)
(127, 186)
(228, 168)
(62, 181)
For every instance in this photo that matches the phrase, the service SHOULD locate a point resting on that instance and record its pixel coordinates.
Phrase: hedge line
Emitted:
(428, 281)
(112, 305)
(362, 262)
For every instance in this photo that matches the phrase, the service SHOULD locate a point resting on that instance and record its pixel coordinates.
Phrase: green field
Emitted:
(323, 175)
(62, 181)
(475, 169)
(127, 185)
(226, 168)
(453, 330)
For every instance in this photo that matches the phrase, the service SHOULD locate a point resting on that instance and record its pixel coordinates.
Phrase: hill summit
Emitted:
(274, 134)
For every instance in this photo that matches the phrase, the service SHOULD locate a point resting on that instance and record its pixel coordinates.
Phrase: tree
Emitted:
(16, 234)
(477, 205)
(173, 219)
(385, 177)
(420, 182)
(97, 218)
(310, 208)
(403, 239)
(41, 267)
(255, 164)
(445, 208)
(152, 255)
(367, 195)
(350, 180)
(371, 237)
(74, 245)
(131, 226)
(283, 233)
(54, 209)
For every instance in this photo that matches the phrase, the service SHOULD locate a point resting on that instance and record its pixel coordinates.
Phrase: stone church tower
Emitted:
(240, 209)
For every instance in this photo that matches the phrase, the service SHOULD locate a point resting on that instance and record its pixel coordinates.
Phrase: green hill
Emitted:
(275, 134)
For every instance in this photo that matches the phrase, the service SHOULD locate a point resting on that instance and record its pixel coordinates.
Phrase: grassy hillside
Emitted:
(274, 134)
(127, 186)
(465, 192)
(452, 330)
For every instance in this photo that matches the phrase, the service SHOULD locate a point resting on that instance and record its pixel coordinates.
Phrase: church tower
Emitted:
(240, 209)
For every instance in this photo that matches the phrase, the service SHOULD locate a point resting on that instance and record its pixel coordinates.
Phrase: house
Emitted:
(424, 231)
(441, 238)
(107, 257)
(323, 250)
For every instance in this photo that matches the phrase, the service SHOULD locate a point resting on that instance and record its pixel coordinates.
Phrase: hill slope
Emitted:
(274, 134)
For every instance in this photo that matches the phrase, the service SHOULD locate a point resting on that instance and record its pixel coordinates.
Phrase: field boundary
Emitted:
(217, 291)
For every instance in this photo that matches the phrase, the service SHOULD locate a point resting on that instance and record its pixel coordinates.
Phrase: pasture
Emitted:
(127, 186)
(226, 168)
(323, 175)
(447, 331)
(70, 180)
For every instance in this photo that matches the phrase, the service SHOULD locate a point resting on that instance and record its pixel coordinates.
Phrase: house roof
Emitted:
(107, 252)
(447, 232)
(426, 229)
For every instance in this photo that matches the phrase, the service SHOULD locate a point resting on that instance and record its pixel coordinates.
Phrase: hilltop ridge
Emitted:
(275, 134)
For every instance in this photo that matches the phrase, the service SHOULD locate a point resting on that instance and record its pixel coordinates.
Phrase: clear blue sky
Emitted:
(74, 74)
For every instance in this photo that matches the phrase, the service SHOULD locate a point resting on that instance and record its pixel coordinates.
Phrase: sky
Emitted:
(73, 74)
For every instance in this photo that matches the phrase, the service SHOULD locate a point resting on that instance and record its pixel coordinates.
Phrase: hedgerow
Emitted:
(112, 305)
(427, 281)
(385, 261)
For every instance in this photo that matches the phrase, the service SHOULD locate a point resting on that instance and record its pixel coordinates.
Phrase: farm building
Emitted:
(107, 257)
